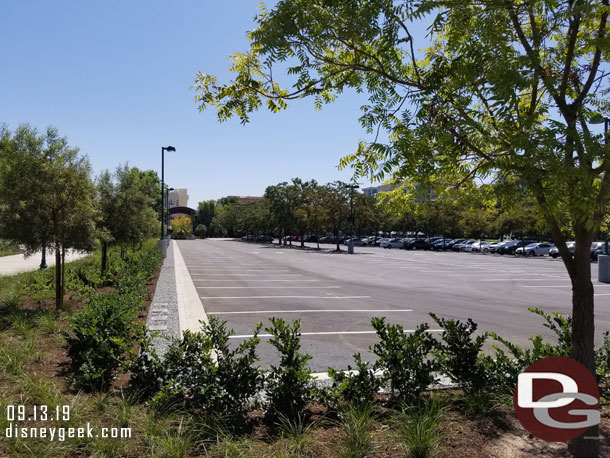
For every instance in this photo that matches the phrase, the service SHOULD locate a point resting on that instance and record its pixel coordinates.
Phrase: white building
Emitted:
(178, 198)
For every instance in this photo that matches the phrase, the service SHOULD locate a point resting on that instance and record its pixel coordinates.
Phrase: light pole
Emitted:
(351, 187)
(598, 119)
(163, 150)
(167, 191)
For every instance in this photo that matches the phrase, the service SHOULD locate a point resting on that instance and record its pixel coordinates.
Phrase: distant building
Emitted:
(424, 193)
(178, 198)
(377, 189)
(247, 199)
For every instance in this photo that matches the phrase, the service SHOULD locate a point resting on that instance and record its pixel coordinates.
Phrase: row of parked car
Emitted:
(508, 247)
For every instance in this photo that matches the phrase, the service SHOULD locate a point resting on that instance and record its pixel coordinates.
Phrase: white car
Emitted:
(393, 243)
(535, 249)
(469, 245)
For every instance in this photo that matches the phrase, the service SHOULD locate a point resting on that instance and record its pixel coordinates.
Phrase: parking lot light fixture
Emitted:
(163, 150)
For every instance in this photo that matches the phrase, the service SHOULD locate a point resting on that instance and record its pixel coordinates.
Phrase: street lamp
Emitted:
(163, 150)
(598, 118)
(351, 187)
(167, 191)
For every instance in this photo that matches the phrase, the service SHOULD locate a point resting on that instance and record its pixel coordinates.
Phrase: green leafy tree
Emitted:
(48, 196)
(334, 199)
(182, 227)
(205, 212)
(501, 89)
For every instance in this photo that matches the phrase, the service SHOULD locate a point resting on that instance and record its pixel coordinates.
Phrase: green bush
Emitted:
(104, 333)
(288, 386)
(405, 359)
(503, 369)
(201, 372)
(459, 353)
(102, 339)
(357, 387)
(602, 358)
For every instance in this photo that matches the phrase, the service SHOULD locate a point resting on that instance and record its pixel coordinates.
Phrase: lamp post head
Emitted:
(169, 149)
(598, 118)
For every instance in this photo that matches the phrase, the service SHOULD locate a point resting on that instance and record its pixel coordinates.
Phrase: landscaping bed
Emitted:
(204, 398)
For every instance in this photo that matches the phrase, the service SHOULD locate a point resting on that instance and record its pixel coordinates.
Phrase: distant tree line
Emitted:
(306, 207)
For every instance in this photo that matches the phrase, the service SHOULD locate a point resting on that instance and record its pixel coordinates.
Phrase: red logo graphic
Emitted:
(557, 399)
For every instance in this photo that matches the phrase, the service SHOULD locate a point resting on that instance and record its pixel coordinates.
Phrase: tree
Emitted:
(48, 196)
(201, 230)
(502, 89)
(334, 200)
(206, 212)
(126, 203)
(182, 227)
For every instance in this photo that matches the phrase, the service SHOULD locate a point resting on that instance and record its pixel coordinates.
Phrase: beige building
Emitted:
(178, 198)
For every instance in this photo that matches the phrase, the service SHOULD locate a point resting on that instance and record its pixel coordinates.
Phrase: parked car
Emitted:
(417, 244)
(468, 245)
(536, 249)
(356, 242)
(494, 247)
(511, 247)
(554, 252)
(327, 239)
(442, 244)
(393, 243)
(481, 247)
(378, 242)
(597, 248)
(458, 246)
(264, 238)
(453, 243)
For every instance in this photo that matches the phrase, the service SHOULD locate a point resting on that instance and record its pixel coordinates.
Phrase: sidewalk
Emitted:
(11, 265)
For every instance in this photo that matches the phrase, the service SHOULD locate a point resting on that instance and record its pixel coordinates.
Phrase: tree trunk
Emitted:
(58, 286)
(583, 331)
(63, 271)
(104, 256)
(302, 241)
(337, 240)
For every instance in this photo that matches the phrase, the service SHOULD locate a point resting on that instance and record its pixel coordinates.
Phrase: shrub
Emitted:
(102, 338)
(146, 368)
(602, 357)
(459, 353)
(288, 386)
(105, 331)
(356, 387)
(405, 358)
(201, 372)
(503, 369)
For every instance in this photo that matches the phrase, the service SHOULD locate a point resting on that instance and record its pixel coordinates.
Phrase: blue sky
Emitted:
(114, 77)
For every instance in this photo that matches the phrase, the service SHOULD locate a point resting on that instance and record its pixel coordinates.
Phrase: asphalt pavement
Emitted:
(336, 294)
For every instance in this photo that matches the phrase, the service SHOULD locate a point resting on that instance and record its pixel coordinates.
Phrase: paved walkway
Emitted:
(11, 265)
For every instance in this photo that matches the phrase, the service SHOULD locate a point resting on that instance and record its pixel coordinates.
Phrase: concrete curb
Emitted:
(190, 308)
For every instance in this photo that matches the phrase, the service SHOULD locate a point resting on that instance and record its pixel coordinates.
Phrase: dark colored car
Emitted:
(417, 244)
(511, 247)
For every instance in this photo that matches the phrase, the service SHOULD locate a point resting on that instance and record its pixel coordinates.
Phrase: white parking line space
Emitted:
(266, 312)
(285, 297)
(328, 333)
(268, 287)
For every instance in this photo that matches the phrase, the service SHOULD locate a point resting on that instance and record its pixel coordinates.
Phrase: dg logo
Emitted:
(557, 399)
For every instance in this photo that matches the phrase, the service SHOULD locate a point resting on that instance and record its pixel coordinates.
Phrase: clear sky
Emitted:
(114, 77)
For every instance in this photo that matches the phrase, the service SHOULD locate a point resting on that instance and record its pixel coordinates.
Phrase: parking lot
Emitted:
(335, 295)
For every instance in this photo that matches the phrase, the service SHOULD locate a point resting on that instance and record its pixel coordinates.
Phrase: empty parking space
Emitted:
(336, 295)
